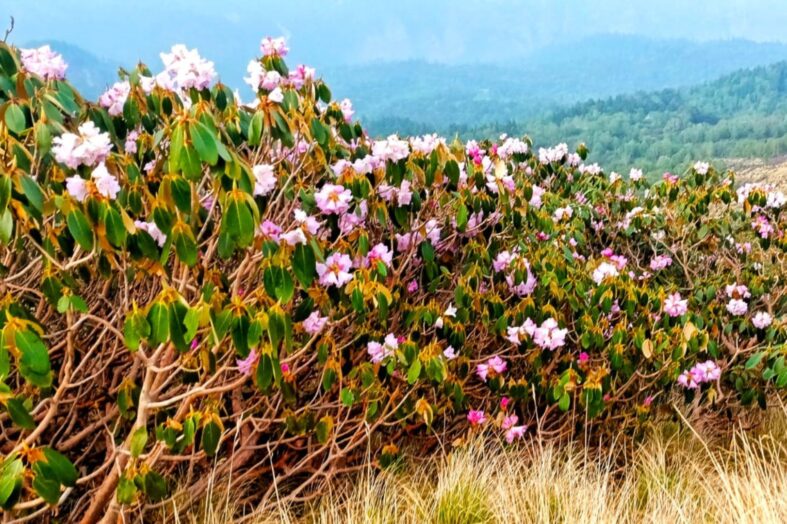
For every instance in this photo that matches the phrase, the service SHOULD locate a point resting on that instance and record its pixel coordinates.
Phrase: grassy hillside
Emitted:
(741, 115)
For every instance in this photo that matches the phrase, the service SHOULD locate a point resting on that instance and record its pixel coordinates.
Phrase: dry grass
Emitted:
(676, 475)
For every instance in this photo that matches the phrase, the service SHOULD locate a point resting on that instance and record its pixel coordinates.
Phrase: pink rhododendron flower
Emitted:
(379, 253)
(307, 222)
(106, 184)
(511, 146)
(659, 262)
(346, 107)
(549, 336)
(737, 291)
(670, 178)
(495, 365)
(761, 320)
(737, 307)
(584, 357)
(535, 199)
(115, 97)
(294, 237)
(270, 230)
(300, 75)
(246, 365)
(44, 62)
(635, 175)
(333, 199)
(349, 221)
(707, 371)
(404, 196)
(264, 179)
(476, 417)
(314, 323)
(674, 306)
(185, 69)
(449, 353)
(130, 144)
(412, 286)
(515, 433)
(504, 402)
(77, 188)
(553, 154)
(426, 144)
(152, 229)
(603, 271)
(378, 352)
(276, 96)
(335, 271)
(391, 149)
(87, 148)
(701, 168)
(274, 46)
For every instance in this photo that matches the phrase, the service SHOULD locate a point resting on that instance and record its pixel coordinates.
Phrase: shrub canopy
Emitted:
(192, 284)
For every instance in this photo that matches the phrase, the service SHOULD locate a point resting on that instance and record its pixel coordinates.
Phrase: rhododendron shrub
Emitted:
(193, 286)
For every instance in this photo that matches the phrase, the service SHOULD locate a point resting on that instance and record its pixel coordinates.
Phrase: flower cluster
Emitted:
(44, 62)
(701, 373)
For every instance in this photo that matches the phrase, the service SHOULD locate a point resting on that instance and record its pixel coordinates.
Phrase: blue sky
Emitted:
(326, 32)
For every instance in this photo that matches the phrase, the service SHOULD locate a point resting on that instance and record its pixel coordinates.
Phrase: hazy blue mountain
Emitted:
(440, 96)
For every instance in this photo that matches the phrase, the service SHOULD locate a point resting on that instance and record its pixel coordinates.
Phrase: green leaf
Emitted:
(320, 132)
(11, 477)
(135, 329)
(303, 265)
(754, 360)
(185, 245)
(414, 372)
(181, 193)
(15, 118)
(6, 226)
(138, 440)
(126, 491)
(155, 486)
(19, 414)
(255, 129)
(46, 488)
(116, 230)
(34, 364)
(158, 318)
(64, 470)
(347, 397)
(5, 192)
(278, 283)
(80, 229)
(238, 222)
(33, 193)
(204, 142)
(264, 373)
(563, 402)
(209, 441)
(461, 218)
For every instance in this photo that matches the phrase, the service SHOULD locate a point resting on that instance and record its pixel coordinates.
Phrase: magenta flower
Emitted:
(412, 286)
(707, 371)
(245, 365)
(476, 417)
(335, 271)
(584, 357)
(674, 306)
(333, 199)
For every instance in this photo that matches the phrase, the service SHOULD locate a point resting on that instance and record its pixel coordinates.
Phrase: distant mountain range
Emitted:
(418, 94)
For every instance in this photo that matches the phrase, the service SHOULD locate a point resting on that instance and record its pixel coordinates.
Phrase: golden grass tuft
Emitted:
(674, 476)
